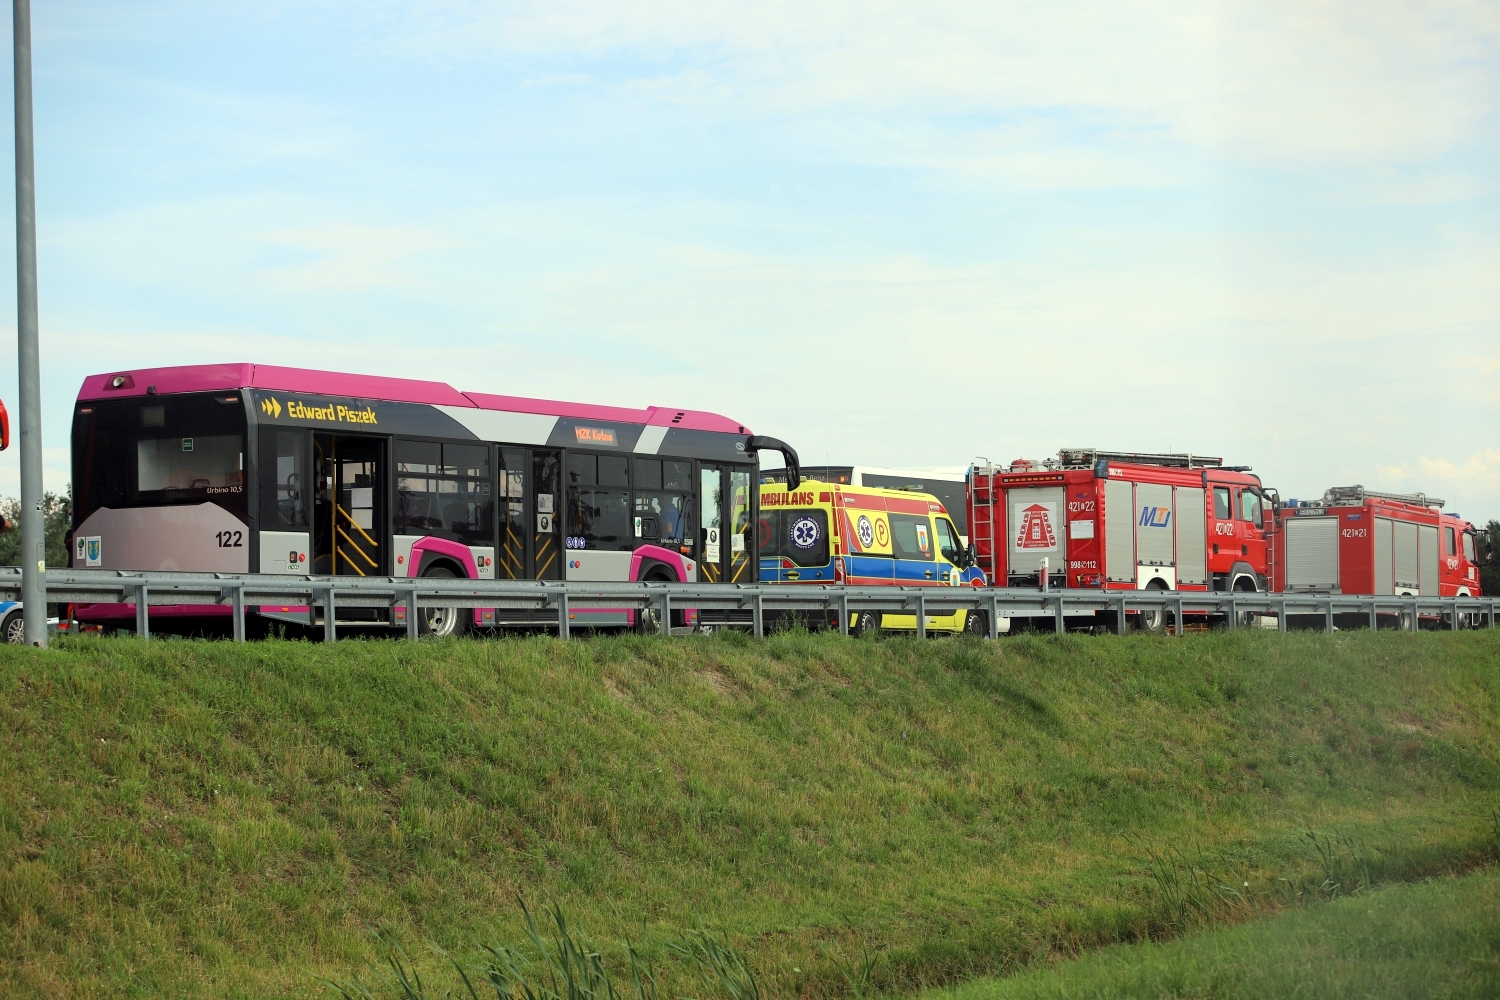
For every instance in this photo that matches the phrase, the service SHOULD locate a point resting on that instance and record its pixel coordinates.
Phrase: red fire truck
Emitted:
(1359, 541)
(1120, 521)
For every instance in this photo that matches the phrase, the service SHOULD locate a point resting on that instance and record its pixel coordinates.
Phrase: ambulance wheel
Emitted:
(977, 623)
(867, 623)
(14, 628)
(440, 622)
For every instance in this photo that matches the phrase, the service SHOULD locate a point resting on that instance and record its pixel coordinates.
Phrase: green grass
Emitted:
(1438, 939)
(200, 819)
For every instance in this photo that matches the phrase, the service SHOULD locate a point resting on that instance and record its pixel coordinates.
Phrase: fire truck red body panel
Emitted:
(1120, 525)
(1359, 542)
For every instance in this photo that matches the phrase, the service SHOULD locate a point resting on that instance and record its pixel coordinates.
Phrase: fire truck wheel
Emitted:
(1155, 619)
(440, 622)
(867, 623)
(977, 624)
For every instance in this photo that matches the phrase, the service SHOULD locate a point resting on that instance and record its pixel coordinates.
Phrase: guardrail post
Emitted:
(921, 600)
(666, 613)
(142, 614)
(1059, 621)
(758, 616)
(236, 596)
(1232, 620)
(994, 616)
(412, 631)
(1177, 621)
(1120, 615)
(1453, 624)
(330, 630)
(1328, 616)
(1281, 616)
(564, 616)
(843, 613)
(1374, 615)
(1492, 614)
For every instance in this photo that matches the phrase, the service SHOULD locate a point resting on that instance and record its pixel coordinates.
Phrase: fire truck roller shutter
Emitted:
(1404, 579)
(1119, 532)
(1192, 541)
(1037, 530)
(1312, 553)
(1153, 535)
(1427, 550)
(1384, 569)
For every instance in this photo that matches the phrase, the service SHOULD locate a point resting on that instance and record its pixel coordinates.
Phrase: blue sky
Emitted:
(892, 234)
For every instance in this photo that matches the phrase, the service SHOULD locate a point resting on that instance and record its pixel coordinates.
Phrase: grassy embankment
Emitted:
(196, 819)
(1437, 940)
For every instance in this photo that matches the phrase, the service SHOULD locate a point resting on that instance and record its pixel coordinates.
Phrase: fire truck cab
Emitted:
(1120, 521)
(1359, 541)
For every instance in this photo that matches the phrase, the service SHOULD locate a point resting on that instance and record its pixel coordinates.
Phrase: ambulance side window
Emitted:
(911, 536)
(947, 540)
(1250, 509)
(1222, 510)
(798, 535)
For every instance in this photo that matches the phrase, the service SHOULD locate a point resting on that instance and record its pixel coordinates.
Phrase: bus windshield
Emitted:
(154, 451)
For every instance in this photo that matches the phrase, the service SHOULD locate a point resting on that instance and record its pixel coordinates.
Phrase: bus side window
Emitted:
(284, 498)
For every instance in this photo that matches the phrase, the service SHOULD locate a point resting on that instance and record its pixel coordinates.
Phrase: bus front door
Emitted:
(713, 544)
(530, 546)
(349, 517)
(726, 548)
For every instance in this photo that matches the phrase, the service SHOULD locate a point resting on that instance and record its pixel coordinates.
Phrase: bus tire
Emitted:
(977, 624)
(440, 622)
(14, 627)
(867, 623)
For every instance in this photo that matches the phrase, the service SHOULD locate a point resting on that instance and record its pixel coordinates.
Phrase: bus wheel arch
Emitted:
(656, 571)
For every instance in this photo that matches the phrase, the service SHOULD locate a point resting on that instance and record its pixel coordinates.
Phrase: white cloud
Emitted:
(1280, 82)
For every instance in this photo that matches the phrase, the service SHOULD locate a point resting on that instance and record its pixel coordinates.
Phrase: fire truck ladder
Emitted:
(1087, 458)
(982, 516)
(1358, 495)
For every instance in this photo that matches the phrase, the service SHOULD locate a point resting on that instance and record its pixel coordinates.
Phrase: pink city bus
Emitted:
(244, 468)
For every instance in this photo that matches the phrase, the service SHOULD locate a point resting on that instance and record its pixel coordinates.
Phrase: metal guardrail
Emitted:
(240, 591)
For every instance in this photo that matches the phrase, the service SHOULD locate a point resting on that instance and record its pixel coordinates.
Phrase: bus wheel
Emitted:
(14, 628)
(440, 622)
(977, 623)
(647, 621)
(867, 623)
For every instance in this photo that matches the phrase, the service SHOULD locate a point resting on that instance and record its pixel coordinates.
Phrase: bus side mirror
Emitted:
(4, 428)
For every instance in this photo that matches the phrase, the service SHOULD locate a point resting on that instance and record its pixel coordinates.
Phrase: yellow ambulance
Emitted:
(829, 533)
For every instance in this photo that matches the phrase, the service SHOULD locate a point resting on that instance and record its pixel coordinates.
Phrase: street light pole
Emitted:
(33, 521)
